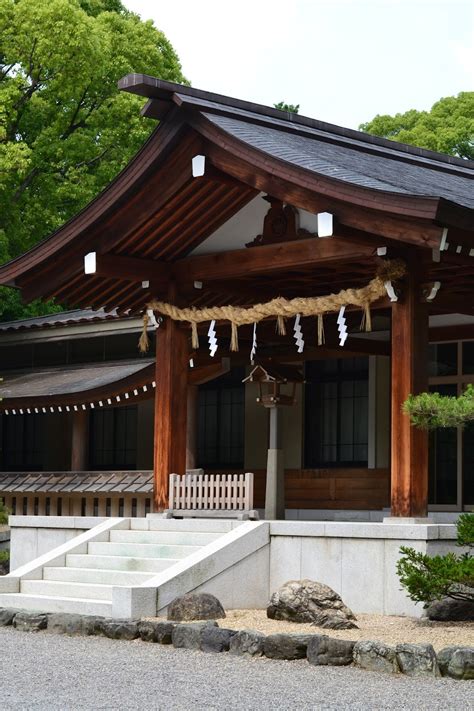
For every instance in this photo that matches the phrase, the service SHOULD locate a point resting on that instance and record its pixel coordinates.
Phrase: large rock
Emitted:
(323, 650)
(120, 629)
(189, 636)
(375, 656)
(68, 623)
(286, 646)
(457, 662)
(451, 610)
(417, 660)
(195, 606)
(30, 621)
(247, 642)
(309, 601)
(6, 616)
(159, 632)
(216, 639)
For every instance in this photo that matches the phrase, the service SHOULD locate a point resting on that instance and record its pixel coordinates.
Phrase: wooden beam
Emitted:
(132, 268)
(79, 439)
(204, 373)
(409, 453)
(270, 258)
(171, 394)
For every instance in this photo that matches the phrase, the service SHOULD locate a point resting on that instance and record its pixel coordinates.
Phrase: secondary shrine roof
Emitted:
(77, 482)
(47, 389)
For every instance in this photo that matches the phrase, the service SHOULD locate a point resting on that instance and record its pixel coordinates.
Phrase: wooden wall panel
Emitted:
(329, 488)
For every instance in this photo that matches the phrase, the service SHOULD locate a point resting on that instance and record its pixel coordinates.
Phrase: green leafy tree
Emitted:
(429, 578)
(290, 108)
(65, 129)
(448, 127)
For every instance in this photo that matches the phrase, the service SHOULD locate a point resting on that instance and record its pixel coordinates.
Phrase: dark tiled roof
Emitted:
(77, 482)
(349, 160)
(64, 318)
(66, 380)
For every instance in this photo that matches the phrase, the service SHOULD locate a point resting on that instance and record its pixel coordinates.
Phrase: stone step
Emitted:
(116, 562)
(56, 588)
(96, 575)
(189, 538)
(141, 550)
(45, 603)
(203, 525)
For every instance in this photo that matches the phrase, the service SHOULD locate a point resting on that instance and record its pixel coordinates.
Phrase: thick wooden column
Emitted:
(409, 450)
(79, 440)
(191, 440)
(170, 406)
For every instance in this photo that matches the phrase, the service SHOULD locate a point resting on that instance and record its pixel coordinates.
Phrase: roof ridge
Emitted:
(155, 88)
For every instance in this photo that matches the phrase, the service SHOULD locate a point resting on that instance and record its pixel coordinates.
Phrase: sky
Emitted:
(343, 61)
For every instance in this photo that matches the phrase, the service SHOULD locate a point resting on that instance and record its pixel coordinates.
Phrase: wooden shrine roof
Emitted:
(146, 223)
(87, 385)
(62, 318)
(129, 482)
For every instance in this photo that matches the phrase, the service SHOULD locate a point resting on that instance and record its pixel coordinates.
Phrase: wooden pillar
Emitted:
(170, 406)
(191, 438)
(79, 441)
(409, 445)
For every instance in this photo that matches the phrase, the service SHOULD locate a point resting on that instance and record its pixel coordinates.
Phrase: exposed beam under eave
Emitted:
(270, 258)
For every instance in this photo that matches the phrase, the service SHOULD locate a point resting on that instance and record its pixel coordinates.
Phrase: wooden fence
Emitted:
(211, 492)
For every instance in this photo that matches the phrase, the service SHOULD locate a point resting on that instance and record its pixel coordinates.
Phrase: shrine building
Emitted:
(290, 283)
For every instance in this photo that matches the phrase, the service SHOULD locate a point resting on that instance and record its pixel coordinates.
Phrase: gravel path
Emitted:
(43, 671)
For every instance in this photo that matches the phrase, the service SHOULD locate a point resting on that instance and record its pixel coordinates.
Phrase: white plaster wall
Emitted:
(242, 228)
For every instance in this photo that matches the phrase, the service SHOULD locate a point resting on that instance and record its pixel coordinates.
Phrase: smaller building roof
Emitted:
(91, 385)
(77, 483)
(63, 318)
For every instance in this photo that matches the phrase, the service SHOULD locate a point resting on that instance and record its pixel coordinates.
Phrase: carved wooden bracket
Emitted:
(279, 225)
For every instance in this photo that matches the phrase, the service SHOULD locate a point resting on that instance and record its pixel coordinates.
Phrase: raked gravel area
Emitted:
(391, 629)
(52, 672)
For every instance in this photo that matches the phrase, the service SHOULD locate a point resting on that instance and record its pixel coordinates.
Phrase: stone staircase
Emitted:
(129, 557)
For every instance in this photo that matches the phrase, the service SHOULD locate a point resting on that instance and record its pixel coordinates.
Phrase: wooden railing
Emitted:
(211, 492)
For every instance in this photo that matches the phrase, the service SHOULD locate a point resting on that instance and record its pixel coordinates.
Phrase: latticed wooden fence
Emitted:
(196, 491)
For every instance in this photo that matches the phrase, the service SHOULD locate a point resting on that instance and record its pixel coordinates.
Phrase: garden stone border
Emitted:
(418, 660)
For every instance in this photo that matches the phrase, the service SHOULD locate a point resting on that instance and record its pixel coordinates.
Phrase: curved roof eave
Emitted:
(430, 207)
(154, 149)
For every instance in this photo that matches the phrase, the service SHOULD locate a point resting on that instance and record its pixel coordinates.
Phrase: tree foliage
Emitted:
(3, 514)
(289, 108)
(431, 410)
(65, 129)
(429, 578)
(448, 127)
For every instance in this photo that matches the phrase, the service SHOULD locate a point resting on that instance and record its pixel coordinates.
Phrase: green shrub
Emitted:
(3, 514)
(431, 410)
(429, 578)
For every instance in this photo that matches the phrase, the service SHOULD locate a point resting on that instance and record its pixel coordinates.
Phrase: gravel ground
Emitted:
(386, 628)
(41, 671)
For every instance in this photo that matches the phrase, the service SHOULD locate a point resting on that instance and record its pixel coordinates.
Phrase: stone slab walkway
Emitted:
(52, 672)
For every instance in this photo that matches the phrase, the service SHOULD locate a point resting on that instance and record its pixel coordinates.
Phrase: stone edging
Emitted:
(321, 650)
